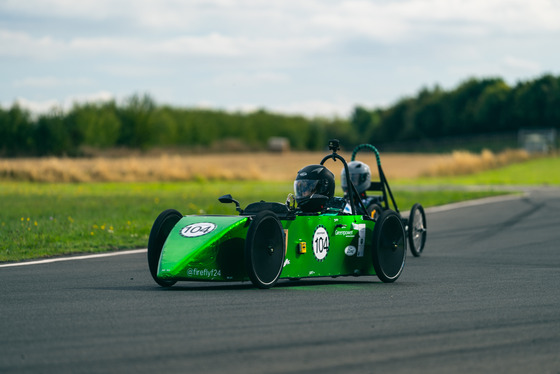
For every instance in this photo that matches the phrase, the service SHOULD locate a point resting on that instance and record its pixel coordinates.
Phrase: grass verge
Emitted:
(44, 220)
(538, 171)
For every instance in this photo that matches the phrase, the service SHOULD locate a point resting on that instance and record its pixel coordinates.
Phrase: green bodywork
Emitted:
(211, 248)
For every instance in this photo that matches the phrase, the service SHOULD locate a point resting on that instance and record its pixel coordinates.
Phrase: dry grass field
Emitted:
(238, 166)
(463, 163)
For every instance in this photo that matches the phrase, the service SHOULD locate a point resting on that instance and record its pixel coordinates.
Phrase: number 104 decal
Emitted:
(197, 229)
(320, 243)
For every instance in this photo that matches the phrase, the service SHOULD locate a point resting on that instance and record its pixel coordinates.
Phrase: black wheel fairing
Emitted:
(265, 249)
(158, 234)
(389, 246)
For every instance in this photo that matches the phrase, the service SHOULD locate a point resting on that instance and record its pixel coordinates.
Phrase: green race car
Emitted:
(317, 235)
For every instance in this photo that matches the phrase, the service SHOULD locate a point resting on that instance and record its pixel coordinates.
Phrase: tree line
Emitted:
(474, 107)
(140, 124)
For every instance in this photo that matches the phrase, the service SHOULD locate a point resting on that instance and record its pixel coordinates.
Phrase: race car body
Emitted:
(268, 241)
(212, 248)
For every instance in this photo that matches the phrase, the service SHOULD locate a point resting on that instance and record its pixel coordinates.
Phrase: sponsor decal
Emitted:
(320, 243)
(350, 250)
(197, 229)
(343, 230)
(206, 273)
(346, 233)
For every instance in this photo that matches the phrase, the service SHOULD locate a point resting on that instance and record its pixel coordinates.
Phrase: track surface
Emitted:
(484, 297)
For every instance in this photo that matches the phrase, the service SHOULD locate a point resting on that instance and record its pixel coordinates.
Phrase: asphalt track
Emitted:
(484, 297)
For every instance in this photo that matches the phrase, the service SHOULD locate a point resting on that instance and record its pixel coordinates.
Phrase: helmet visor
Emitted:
(358, 178)
(305, 187)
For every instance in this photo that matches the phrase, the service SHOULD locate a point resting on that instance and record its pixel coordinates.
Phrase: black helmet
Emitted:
(360, 175)
(313, 187)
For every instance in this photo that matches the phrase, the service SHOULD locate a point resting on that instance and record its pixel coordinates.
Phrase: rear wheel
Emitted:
(389, 246)
(417, 229)
(159, 233)
(265, 249)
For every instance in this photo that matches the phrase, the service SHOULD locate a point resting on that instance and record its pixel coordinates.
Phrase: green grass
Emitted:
(43, 220)
(540, 171)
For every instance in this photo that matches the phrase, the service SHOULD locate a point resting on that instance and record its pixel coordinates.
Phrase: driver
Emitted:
(313, 188)
(360, 176)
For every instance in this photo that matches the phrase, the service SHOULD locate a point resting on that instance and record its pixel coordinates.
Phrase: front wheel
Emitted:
(417, 229)
(389, 246)
(265, 249)
(159, 233)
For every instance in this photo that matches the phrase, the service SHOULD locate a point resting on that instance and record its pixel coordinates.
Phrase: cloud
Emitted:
(51, 81)
(394, 21)
(213, 45)
(21, 44)
(378, 19)
(250, 79)
(44, 106)
(521, 64)
(339, 107)
(35, 106)
(136, 71)
(230, 29)
(206, 50)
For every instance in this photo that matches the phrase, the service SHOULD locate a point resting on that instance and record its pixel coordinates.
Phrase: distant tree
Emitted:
(424, 115)
(490, 112)
(136, 131)
(475, 106)
(315, 138)
(462, 102)
(16, 132)
(95, 124)
(340, 129)
(361, 121)
(537, 103)
(53, 136)
(393, 122)
(163, 127)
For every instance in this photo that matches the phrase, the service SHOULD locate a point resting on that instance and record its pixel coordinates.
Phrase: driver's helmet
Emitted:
(313, 187)
(360, 175)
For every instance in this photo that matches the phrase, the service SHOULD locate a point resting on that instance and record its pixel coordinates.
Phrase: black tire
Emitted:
(389, 246)
(160, 231)
(374, 211)
(417, 230)
(265, 249)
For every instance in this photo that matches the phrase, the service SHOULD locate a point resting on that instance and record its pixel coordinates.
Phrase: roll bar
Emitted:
(384, 185)
(334, 146)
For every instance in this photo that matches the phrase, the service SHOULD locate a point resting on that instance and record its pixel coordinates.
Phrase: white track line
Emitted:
(85, 257)
(468, 203)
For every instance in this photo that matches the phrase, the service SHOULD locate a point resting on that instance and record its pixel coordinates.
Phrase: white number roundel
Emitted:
(197, 229)
(320, 243)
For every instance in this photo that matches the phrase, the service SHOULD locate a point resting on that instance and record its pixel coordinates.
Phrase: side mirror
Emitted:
(228, 199)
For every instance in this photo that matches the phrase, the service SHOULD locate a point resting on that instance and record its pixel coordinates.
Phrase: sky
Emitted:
(309, 57)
